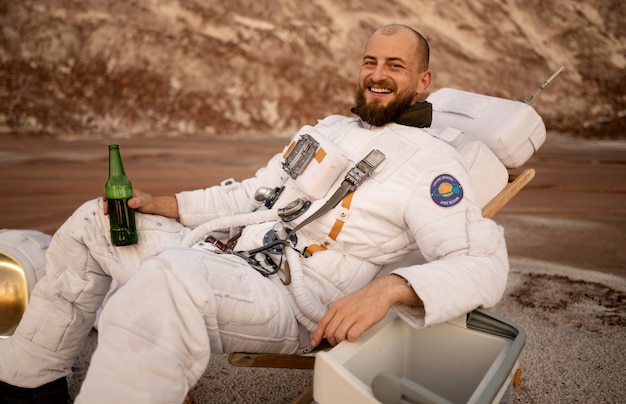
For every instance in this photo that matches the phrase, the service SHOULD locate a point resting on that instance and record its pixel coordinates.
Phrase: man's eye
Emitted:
(396, 66)
(369, 63)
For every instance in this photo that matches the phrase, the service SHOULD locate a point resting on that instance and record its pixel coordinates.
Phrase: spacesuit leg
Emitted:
(62, 308)
(157, 332)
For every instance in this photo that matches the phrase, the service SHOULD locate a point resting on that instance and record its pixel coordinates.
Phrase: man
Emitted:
(393, 188)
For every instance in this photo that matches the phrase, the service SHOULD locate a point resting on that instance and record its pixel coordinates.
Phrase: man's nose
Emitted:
(379, 73)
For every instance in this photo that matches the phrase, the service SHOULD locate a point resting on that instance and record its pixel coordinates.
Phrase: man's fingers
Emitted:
(317, 336)
(335, 326)
(328, 328)
(134, 203)
(320, 331)
(356, 330)
(105, 205)
(341, 330)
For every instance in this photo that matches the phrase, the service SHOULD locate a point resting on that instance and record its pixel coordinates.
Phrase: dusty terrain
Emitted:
(565, 233)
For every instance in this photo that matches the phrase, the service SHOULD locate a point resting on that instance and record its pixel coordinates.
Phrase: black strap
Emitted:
(339, 194)
(354, 178)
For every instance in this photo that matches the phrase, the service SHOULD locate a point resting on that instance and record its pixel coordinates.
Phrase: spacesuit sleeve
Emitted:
(230, 197)
(467, 262)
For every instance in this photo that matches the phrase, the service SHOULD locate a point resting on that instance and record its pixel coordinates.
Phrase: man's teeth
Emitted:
(380, 90)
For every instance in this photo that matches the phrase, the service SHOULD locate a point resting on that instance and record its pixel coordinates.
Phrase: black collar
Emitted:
(419, 115)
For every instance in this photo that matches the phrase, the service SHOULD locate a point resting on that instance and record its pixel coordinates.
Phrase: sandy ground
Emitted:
(565, 233)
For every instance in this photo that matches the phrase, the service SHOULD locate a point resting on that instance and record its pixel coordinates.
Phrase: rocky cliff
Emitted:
(266, 67)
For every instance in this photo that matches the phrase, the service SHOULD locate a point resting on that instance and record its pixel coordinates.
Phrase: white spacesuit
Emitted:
(178, 304)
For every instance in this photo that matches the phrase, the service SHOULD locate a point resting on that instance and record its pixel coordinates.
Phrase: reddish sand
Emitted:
(45, 179)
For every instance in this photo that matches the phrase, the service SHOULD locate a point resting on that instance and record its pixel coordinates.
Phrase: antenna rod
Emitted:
(544, 85)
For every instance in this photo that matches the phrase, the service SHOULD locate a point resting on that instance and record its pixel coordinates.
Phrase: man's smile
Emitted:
(380, 90)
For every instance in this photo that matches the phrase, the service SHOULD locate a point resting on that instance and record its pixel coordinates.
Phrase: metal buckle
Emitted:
(364, 168)
(300, 156)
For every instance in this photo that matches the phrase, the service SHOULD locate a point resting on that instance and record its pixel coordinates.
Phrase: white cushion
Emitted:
(511, 129)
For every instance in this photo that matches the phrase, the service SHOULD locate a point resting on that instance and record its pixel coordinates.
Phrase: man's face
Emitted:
(389, 80)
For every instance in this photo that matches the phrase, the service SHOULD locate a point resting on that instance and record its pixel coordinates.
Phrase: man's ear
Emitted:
(426, 78)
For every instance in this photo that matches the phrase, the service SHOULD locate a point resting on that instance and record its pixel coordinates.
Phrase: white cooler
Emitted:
(468, 360)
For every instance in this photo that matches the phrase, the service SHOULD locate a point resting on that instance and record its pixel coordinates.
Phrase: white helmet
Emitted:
(22, 264)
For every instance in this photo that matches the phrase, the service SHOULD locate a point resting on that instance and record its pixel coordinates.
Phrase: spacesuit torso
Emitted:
(418, 197)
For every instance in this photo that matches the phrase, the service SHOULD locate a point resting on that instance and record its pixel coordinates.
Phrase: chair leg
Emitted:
(271, 360)
(306, 397)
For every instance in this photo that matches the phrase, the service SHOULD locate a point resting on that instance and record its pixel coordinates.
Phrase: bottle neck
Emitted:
(118, 186)
(116, 167)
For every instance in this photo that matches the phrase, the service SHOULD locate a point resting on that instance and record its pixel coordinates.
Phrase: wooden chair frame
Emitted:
(515, 184)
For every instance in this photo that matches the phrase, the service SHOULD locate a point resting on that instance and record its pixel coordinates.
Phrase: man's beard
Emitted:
(379, 115)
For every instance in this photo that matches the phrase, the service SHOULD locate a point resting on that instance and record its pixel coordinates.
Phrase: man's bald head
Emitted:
(422, 49)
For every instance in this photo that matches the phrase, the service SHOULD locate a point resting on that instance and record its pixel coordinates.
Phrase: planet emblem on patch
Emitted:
(446, 191)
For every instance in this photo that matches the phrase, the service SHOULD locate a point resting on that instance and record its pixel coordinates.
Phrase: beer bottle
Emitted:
(118, 190)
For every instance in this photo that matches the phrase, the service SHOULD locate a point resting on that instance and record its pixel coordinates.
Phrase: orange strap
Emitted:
(289, 149)
(319, 154)
(334, 231)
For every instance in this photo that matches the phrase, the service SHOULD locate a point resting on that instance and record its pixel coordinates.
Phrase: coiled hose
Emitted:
(311, 311)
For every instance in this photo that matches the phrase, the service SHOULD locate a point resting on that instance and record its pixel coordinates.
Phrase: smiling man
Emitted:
(274, 263)
(394, 72)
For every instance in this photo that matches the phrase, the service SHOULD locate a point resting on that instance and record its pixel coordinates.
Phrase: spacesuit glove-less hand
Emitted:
(146, 203)
(349, 317)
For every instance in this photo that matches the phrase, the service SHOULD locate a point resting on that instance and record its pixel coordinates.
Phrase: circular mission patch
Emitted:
(446, 191)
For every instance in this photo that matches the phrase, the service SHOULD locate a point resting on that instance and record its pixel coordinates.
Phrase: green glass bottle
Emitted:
(118, 190)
